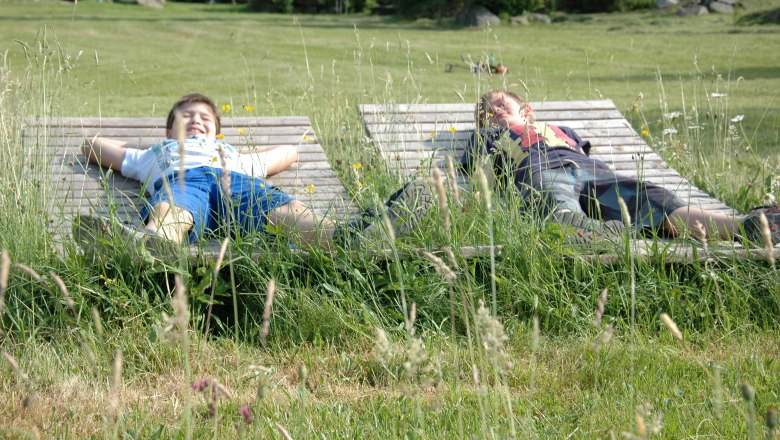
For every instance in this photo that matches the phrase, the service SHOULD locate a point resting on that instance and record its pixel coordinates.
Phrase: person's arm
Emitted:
(107, 152)
(272, 161)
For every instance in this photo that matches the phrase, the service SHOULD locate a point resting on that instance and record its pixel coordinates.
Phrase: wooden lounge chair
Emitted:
(413, 138)
(82, 187)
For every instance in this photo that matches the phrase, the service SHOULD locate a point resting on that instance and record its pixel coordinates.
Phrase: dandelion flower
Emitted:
(738, 118)
(249, 108)
(310, 188)
(769, 199)
(220, 136)
(645, 132)
(356, 166)
(226, 108)
(214, 159)
(452, 130)
(241, 131)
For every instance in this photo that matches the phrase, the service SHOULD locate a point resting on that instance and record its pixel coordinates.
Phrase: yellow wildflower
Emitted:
(645, 132)
(241, 131)
(432, 134)
(356, 166)
(249, 108)
(310, 188)
(226, 108)
(452, 130)
(220, 136)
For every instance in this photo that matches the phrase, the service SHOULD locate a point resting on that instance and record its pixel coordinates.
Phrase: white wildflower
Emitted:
(719, 95)
(672, 116)
(769, 199)
(737, 118)
(670, 130)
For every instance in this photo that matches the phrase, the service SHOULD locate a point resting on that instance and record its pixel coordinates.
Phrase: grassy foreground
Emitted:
(539, 344)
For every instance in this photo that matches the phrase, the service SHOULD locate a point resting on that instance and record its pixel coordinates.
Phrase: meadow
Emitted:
(539, 344)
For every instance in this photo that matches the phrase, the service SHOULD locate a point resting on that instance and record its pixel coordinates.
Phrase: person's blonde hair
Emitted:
(483, 110)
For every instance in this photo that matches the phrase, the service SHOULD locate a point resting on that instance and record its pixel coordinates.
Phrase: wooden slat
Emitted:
(80, 187)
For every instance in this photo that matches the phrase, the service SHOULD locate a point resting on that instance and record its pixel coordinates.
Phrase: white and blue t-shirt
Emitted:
(163, 159)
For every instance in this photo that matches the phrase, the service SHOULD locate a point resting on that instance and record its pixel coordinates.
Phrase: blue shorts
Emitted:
(594, 192)
(203, 196)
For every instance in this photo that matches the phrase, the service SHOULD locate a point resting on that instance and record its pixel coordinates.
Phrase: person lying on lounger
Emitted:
(552, 169)
(197, 186)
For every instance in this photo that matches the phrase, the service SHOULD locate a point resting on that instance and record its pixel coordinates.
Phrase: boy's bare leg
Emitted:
(170, 222)
(313, 229)
(724, 225)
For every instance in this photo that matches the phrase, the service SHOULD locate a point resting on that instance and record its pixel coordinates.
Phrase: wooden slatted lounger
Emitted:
(414, 137)
(81, 187)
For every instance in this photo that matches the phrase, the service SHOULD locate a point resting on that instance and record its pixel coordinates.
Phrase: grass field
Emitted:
(111, 351)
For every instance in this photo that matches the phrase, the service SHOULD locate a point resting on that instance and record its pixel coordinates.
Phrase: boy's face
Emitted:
(506, 111)
(194, 118)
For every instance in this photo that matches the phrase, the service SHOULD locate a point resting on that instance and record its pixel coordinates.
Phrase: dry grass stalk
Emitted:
(383, 348)
(29, 271)
(624, 212)
(269, 301)
(441, 194)
(600, 307)
(535, 334)
(441, 267)
(767, 236)
(485, 187)
(453, 181)
(451, 256)
(670, 324)
(225, 172)
(5, 267)
(221, 255)
(412, 319)
(700, 232)
(116, 378)
(604, 338)
(179, 304)
(282, 431)
(12, 362)
(68, 300)
(98, 322)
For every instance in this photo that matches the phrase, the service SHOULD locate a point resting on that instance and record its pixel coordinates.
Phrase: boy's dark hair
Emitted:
(482, 112)
(191, 98)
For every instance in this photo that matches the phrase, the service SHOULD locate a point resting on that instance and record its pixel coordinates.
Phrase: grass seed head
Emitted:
(767, 236)
(748, 393)
(494, 337)
(441, 267)
(453, 181)
(267, 310)
(29, 271)
(672, 326)
(441, 195)
(600, 307)
(383, 348)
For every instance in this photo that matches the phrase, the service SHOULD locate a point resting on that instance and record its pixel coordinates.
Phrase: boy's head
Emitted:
(191, 115)
(502, 108)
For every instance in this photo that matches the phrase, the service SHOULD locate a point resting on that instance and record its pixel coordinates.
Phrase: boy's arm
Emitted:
(273, 160)
(107, 152)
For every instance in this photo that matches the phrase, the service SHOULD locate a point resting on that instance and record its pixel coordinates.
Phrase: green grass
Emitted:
(326, 309)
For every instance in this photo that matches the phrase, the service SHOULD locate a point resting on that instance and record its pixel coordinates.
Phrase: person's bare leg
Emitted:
(170, 222)
(313, 230)
(726, 226)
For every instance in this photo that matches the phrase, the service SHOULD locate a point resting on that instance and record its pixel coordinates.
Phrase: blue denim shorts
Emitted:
(594, 192)
(201, 193)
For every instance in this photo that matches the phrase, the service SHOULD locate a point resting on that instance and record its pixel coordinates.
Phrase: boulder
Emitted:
(520, 20)
(693, 11)
(478, 16)
(152, 3)
(540, 18)
(721, 7)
